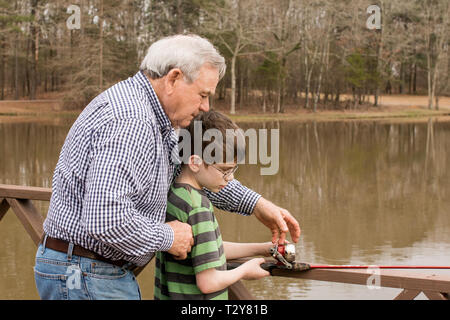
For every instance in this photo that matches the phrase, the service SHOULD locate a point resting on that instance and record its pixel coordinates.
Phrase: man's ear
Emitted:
(171, 78)
(195, 163)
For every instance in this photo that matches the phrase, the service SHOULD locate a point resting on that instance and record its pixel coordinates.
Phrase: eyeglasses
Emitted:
(226, 174)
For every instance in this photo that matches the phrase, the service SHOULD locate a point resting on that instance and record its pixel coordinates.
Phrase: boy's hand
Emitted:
(182, 239)
(253, 270)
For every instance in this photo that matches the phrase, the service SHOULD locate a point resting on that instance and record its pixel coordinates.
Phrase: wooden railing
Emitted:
(434, 286)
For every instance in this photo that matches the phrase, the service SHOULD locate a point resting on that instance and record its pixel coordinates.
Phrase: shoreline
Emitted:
(331, 116)
(397, 110)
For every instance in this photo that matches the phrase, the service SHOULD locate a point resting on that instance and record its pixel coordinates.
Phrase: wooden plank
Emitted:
(23, 192)
(138, 270)
(4, 207)
(407, 294)
(29, 216)
(238, 291)
(388, 278)
(433, 295)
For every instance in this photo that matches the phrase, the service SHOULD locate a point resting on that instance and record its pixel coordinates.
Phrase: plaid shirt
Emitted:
(114, 171)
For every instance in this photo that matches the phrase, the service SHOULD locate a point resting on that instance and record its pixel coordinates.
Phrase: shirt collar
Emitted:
(161, 117)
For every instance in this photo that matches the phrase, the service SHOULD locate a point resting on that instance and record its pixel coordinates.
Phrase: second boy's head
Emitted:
(216, 146)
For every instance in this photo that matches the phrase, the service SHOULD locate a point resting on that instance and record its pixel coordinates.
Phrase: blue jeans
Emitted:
(63, 276)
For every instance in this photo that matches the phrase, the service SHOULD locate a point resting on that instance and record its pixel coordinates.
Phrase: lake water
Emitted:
(364, 192)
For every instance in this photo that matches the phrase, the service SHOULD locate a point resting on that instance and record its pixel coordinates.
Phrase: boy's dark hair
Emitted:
(235, 144)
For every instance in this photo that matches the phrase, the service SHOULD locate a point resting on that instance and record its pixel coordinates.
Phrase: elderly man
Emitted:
(110, 185)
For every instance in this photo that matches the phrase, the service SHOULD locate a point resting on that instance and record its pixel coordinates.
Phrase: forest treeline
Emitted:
(300, 53)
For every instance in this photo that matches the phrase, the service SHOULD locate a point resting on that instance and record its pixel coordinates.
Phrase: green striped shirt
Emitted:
(175, 279)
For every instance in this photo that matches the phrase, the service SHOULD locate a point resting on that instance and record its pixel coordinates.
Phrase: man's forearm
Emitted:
(131, 234)
(235, 198)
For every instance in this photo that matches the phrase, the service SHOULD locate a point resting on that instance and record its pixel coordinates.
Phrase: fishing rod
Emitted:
(285, 259)
(331, 266)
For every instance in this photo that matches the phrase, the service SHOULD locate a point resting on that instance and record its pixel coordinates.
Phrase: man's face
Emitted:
(188, 99)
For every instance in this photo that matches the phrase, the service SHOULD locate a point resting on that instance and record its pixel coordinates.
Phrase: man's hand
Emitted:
(182, 239)
(278, 220)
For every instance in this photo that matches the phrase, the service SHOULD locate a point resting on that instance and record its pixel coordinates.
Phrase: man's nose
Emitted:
(204, 106)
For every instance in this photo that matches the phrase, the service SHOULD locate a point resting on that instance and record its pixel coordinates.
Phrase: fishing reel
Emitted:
(284, 254)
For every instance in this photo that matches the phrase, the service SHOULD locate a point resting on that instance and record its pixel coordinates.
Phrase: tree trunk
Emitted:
(100, 21)
(379, 53)
(379, 58)
(415, 79)
(278, 109)
(3, 67)
(434, 81)
(281, 86)
(337, 99)
(248, 86)
(222, 92)
(240, 90)
(324, 62)
(71, 68)
(429, 68)
(308, 88)
(180, 16)
(264, 99)
(319, 82)
(16, 74)
(306, 81)
(429, 81)
(233, 85)
(410, 78)
(34, 34)
(26, 82)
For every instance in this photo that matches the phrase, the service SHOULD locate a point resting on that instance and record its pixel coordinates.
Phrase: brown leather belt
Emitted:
(63, 246)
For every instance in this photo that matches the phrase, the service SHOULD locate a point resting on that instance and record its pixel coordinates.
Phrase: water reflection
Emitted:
(30, 152)
(364, 192)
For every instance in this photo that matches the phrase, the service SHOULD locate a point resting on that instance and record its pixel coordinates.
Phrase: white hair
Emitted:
(186, 52)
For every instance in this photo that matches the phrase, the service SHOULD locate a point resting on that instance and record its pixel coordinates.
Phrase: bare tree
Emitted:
(436, 28)
(234, 26)
(276, 51)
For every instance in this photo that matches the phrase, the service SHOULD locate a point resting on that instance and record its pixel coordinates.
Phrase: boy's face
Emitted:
(216, 176)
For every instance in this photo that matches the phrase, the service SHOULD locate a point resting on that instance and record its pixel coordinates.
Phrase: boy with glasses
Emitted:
(203, 274)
